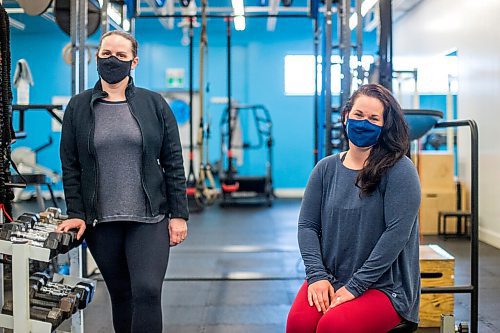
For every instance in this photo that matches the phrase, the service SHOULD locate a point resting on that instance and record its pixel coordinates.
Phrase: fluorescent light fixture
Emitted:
(239, 12)
(365, 8)
(101, 2)
(17, 24)
(238, 7)
(239, 22)
(114, 15)
(126, 24)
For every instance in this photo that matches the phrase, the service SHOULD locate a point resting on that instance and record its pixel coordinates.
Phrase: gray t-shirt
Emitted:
(118, 142)
(368, 242)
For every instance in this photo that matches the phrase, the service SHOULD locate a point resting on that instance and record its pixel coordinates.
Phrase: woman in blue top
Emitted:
(358, 228)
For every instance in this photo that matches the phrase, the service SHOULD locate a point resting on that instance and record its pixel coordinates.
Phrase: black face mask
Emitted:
(113, 70)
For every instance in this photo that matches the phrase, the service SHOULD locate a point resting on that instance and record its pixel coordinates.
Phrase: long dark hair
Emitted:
(393, 142)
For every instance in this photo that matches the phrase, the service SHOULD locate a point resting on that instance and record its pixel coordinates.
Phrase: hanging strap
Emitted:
(4, 211)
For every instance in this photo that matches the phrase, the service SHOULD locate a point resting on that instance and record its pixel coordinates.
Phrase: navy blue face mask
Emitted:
(362, 133)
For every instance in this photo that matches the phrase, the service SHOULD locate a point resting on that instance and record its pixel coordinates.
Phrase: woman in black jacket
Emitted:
(124, 184)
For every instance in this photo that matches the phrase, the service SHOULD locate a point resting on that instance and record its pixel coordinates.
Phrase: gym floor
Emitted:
(240, 268)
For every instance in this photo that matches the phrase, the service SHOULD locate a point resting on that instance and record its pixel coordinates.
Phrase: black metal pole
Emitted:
(191, 145)
(229, 127)
(344, 11)
(316, 118)
(327, 83)
(475, 226)
(82, 41)
(474, 309)
(73, 20)
(385, 44)
(359, 42)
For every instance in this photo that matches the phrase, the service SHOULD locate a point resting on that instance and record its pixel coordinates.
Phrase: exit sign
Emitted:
(175, 77)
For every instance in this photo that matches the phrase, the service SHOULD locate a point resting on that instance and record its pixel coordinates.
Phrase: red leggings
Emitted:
(372, 312)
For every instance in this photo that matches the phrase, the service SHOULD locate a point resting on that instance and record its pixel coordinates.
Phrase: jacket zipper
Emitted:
(143, 163)
(93, 153)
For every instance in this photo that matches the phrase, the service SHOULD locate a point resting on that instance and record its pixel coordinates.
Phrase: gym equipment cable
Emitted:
(194, 204)
(6, 130)
(206, 190)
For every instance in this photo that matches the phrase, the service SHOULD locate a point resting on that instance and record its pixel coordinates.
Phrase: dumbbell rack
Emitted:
(20, 321)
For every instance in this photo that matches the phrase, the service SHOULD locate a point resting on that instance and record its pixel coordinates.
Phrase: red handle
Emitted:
(230, 188)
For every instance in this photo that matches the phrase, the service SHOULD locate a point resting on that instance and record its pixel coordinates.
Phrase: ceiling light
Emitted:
(239, 12)
(365, 8)
(114, 15)
(239, 22)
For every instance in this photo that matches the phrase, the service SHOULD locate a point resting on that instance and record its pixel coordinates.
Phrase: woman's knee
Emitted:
(119, 290)
(147, 291)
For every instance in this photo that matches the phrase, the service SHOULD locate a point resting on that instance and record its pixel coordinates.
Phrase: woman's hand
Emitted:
(319, 294)
(178, 231)
(341, 296)
(73, 224)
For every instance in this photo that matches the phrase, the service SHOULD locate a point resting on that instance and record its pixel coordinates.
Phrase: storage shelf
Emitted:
(35, 252)
(20, 321)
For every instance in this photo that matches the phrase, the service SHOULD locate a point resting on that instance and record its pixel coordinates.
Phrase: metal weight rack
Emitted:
(20, 321)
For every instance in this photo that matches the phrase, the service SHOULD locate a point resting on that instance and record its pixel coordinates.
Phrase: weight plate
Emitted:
(35, 7)
(62, 14)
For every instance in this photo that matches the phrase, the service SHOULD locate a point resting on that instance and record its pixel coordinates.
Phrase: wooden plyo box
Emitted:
(437, 269)
(436, 170)
(432, 203)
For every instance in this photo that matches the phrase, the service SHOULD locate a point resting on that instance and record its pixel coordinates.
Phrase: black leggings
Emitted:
(132, 258)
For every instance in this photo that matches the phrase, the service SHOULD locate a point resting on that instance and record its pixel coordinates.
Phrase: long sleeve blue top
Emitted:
(363, 242)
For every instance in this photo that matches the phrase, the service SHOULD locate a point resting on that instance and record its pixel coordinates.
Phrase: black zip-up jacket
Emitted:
(163, 178)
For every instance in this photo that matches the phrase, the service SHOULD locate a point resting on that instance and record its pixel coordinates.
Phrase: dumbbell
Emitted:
(84, 292)
(9, 228)
(51, 240)
(35, 215)
(16, 240)
(67, 304)
(38, 280)
(68, 239)
(37, 237)
(57, 213)
(53, 316)
(47, 294)
(74, 242)
(47, 217)
(59, 286)
(28, 220)
(87, 291)
(45, 227)
(64, 239)
(50, 294)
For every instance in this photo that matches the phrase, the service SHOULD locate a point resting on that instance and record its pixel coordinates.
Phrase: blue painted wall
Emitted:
(258, 78)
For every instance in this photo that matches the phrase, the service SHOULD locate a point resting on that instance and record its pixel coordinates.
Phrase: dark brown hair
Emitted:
(393, 143)
(125, 35)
